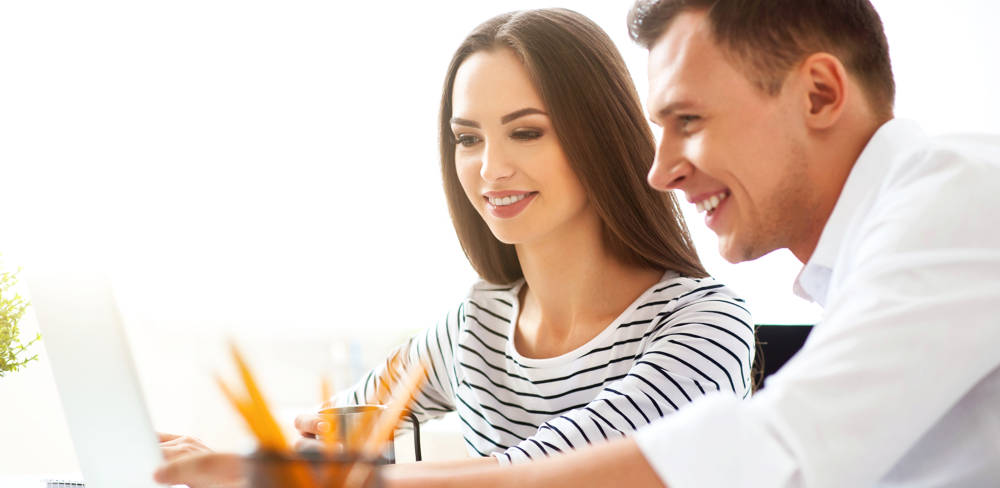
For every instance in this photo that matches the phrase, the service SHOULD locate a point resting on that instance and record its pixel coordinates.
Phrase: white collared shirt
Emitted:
(900, 383)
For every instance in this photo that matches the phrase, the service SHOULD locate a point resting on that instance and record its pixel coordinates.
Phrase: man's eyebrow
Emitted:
(665, 112)
(465, 122)
(520, 113)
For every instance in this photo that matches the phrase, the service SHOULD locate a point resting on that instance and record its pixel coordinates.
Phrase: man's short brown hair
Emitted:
(767, 38)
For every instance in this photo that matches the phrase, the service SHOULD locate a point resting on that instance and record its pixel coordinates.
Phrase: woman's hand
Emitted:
(178, 446)
(204, 470)
(310, 425)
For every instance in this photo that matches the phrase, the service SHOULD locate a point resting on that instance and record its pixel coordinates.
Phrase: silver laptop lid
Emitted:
(82, 330)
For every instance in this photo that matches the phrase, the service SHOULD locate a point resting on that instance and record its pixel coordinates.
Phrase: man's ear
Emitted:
(825, 86)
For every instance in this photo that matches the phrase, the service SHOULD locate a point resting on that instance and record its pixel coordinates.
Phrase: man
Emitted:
(777, 121)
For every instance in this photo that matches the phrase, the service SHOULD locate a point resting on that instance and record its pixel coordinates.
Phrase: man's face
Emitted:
(736, 152)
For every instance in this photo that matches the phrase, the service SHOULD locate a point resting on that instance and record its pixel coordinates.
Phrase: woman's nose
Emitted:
(495, 165)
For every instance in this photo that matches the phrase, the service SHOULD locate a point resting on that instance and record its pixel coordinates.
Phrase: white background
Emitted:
(268, 170)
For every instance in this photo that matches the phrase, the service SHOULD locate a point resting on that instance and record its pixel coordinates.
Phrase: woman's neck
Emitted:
(574, 288)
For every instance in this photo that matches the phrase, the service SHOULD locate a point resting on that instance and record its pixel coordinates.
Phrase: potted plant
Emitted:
(12, 308)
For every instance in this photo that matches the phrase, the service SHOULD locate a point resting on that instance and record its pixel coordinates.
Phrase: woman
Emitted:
(594, 316)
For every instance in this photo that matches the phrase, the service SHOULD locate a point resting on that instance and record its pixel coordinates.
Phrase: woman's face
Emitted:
(507, 155)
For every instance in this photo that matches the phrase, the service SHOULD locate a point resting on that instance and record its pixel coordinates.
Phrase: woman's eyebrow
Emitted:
(465, 122)
(503, 120)
(520, 113)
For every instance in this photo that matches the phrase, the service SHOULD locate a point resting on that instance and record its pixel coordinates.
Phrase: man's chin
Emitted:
(734, 251)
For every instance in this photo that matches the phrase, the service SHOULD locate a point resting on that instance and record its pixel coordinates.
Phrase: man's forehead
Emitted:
(682, 55)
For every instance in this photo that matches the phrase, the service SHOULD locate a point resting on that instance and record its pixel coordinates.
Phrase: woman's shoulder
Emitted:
(498, 301)
(675, 292)
(485, 302)
(701, 305)
(483, 288)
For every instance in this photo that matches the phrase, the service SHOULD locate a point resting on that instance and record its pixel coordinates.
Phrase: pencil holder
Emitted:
(268, 469)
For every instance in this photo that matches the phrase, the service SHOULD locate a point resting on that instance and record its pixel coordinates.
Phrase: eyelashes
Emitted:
(466, 139)
(526, 134)
(686, 124)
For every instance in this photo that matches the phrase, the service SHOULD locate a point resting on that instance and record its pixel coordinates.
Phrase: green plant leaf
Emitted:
(12, 308)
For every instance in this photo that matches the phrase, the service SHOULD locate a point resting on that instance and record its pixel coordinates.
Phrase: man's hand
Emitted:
(204, 470)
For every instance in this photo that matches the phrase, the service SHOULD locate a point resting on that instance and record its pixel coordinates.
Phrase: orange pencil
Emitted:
(383, 389)
(243, 409)
(386, 425)
(262, 424)
(329, 437)
(326, 391)
(393, 414)
(263, 413)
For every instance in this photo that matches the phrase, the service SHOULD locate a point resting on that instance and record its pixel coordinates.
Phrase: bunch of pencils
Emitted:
(349, 465)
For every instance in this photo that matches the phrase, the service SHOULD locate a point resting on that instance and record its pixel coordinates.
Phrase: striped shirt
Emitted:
(682, 338)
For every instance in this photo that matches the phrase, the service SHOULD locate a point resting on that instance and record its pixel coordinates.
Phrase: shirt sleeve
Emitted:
(909, 332)
(434, 347)
(705, 346)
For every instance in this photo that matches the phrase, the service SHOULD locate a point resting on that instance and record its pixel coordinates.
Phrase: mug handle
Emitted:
(416, 435)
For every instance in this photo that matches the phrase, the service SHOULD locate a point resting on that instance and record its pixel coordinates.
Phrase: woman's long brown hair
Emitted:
(596, 114)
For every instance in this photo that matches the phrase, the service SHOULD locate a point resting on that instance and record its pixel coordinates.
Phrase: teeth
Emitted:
(501, 202)
(709, 204)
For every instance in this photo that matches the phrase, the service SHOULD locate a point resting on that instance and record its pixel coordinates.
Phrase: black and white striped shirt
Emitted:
(682, 338)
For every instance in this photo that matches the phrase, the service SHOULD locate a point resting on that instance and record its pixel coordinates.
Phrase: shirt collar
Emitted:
(864, 180)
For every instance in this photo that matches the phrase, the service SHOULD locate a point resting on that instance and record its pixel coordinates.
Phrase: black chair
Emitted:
(776, 344)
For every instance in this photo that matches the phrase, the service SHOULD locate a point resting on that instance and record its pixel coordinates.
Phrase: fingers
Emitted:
(171, 453)
(309, 424)
(180, 445)
(305, 444)
(207, 469)
(164, 437)
(184, 440)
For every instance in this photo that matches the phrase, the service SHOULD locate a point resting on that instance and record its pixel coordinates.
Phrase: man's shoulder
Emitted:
(938, 194)
(943, 159)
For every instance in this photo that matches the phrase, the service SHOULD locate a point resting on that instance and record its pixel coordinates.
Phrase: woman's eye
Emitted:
(466, 140)
(526, 134)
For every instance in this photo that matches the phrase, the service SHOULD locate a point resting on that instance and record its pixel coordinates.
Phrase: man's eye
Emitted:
(685, 123)
(526, 134)
(466, 140)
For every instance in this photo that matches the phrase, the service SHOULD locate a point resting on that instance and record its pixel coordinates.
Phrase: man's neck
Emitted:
(835, 154)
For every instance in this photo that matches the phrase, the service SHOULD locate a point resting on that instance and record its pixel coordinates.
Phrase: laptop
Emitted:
(105, 410)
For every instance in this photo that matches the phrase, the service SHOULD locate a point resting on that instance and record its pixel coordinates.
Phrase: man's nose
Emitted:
(670, 168)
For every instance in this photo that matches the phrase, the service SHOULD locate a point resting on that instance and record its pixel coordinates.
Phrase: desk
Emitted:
(32, 480)
(38, 480)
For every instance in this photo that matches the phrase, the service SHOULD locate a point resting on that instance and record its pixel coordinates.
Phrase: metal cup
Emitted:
(349, 418)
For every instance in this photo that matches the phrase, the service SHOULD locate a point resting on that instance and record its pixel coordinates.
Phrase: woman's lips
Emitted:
(508, 204)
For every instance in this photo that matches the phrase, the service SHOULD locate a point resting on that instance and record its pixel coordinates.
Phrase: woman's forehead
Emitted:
(493, 82)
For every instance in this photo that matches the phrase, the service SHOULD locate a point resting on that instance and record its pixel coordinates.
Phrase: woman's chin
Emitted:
(508, 236)
(506, 239)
